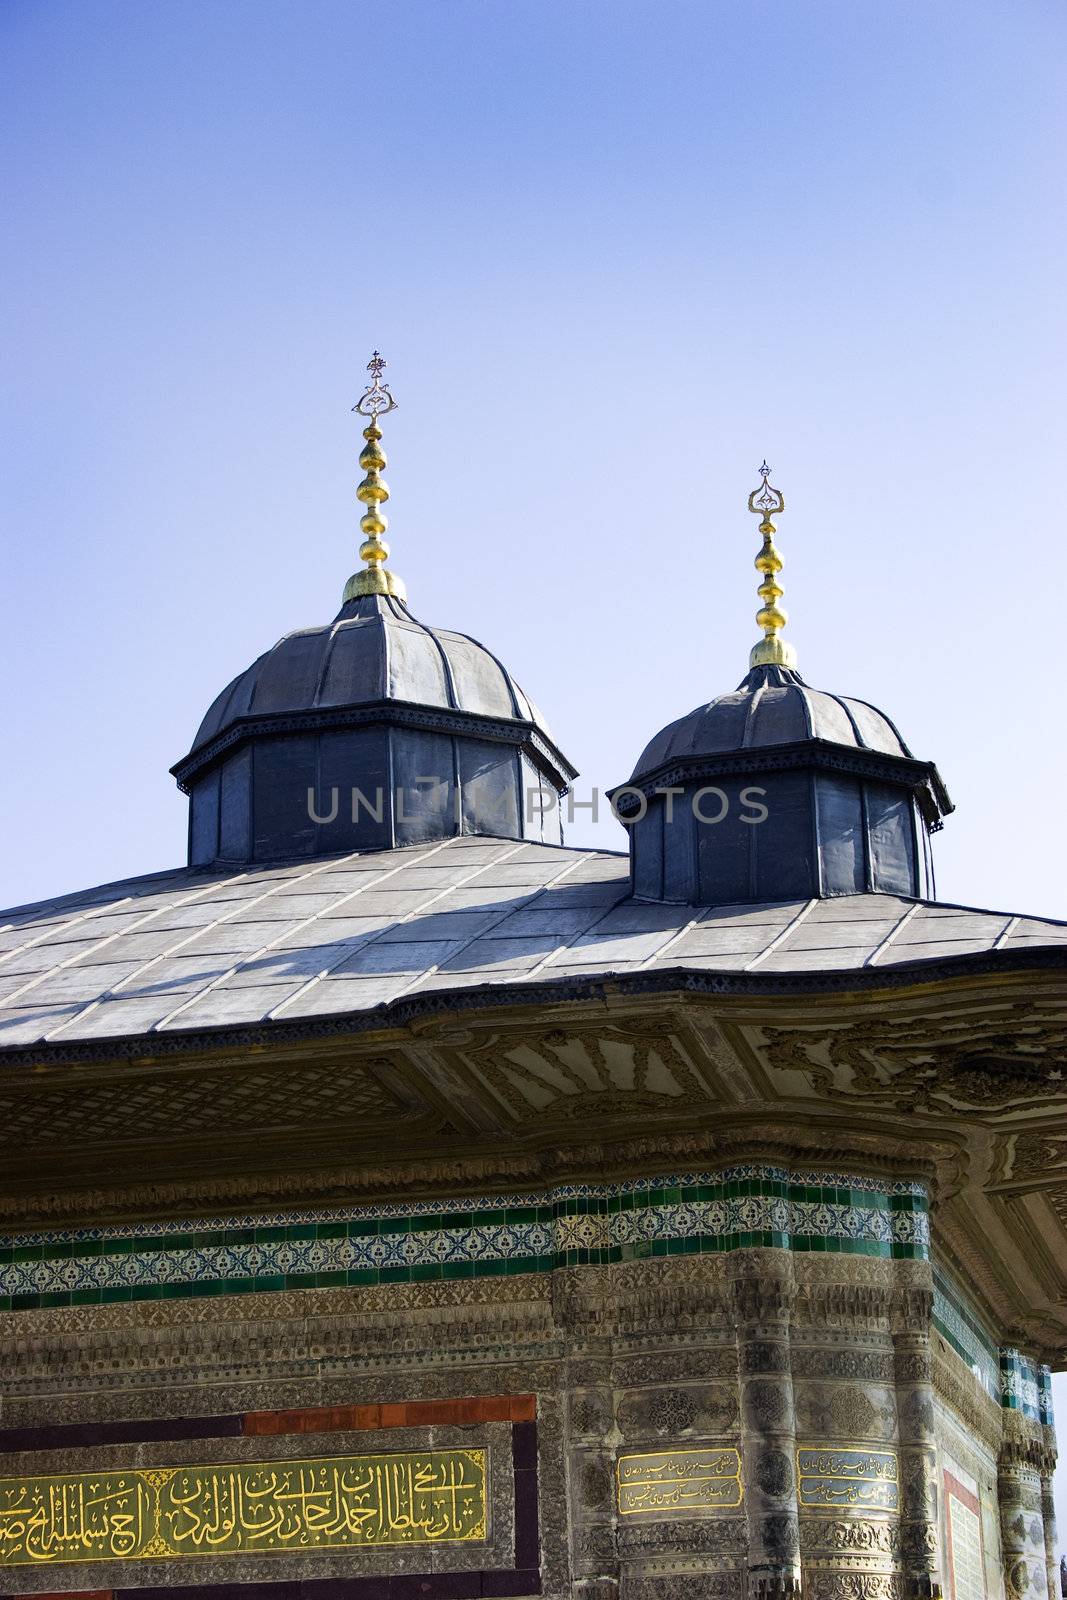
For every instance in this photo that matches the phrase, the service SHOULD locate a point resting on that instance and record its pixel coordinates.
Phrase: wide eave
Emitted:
(480, 1010)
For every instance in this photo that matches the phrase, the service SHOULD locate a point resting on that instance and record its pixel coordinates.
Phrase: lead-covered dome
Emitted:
(373, 651)
(772, 706)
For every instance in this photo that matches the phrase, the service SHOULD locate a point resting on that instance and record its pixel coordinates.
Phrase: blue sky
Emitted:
(616, 253)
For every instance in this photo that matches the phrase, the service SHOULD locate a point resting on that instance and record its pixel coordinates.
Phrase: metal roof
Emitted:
(195, 950)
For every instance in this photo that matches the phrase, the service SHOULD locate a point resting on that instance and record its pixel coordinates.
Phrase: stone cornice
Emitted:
(679, 981)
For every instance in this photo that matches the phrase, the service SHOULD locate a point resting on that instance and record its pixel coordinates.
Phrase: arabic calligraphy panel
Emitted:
(330, 1502)
(832, 1477)
(678, 1483)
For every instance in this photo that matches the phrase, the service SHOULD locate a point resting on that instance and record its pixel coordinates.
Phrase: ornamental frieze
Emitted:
(856, 1536)
(1003, 1057)
(308, 1096)
(588, 1072)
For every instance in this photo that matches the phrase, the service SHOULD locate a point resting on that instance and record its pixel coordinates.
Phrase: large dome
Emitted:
(373, 651)
(771, 706)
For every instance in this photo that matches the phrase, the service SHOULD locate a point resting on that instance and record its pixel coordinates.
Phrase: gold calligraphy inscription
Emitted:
(329, 1503)
(672, 1483)
(832, 1477)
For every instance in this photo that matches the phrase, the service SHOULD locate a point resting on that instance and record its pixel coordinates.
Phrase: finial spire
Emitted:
(772, 651)
(376, 578)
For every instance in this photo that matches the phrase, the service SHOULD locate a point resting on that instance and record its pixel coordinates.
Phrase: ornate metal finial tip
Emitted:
(766, 499)
(377, 397)
(772, 650)
(373, 492)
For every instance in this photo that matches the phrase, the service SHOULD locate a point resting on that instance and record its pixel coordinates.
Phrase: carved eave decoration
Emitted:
(961, 1080)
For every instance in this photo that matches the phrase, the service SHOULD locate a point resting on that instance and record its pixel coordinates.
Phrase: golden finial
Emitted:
(376, 578)
(772, 651)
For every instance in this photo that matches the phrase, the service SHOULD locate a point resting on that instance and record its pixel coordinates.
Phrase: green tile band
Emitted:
(571, 1225)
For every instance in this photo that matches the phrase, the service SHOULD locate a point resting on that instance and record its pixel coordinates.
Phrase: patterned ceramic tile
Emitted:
(958, 1323)
(571, 1225)
(1020, 1388)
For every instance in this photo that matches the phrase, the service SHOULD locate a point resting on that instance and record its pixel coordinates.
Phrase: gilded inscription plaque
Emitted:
(672, 1483)
(832, 1477)
(328, 1503)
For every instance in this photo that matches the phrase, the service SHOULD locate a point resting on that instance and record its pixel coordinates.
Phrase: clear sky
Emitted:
(615, 253)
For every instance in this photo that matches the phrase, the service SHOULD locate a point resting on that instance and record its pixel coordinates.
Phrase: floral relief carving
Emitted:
(673, 1411)
(854, 1586)
(845, 1411)
(870, 1366)
(998, 1058)
(718, 1536)
(852, 1537)
(780, 1535)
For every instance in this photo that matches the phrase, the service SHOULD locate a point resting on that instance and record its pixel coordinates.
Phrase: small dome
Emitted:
(373, 651)
(771, 706)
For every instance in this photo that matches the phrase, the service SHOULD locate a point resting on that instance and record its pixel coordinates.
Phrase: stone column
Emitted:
(1048, 1467)
(1048, 1518)
(762, 1289)
(1022, 1530)
(914, 1377)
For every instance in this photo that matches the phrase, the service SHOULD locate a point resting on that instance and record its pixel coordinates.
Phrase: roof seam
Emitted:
(287, 931)
(805, 704)
(840, 700)
(101, 944)
(31, 944)
(878, 712)
(190, 938)
(872, 959)
(780, 938)
(386, 652)
(570, 943)
(530, 901)
(598, 985)
(320, 682)
(678, 934)
(510, 683)
(450, 682)
(374, 938)
(750, 717)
